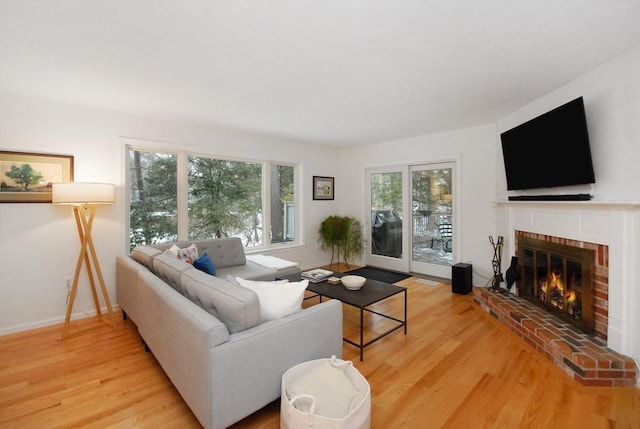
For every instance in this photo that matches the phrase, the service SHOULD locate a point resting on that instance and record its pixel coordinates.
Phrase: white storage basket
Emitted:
(325, 394)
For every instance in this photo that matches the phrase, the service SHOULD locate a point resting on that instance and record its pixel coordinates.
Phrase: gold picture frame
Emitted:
(323, 188)
(27, 177)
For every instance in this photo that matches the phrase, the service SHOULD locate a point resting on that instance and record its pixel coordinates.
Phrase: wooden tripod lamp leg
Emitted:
(87, 255)
(96, 266)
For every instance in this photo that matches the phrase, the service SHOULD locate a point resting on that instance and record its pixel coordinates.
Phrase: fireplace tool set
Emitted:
(497, 263)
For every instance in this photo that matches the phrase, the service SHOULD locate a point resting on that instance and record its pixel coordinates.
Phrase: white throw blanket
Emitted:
(271, 262)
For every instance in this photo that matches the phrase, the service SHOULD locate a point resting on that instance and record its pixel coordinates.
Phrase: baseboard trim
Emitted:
(51, 322)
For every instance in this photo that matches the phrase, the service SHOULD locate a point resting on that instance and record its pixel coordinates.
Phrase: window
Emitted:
(210, 197)
(153, 202)
(225, 200)
(282, 203)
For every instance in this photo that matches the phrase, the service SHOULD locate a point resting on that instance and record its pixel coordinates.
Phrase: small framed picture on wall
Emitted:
(323, 188)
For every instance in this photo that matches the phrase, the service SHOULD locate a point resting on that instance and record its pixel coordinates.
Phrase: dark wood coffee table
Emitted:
(372, 292)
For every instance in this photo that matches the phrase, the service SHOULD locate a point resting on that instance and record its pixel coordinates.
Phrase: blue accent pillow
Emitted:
(204, 263)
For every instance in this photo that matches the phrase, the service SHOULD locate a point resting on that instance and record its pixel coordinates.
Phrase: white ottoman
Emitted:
(325, 394)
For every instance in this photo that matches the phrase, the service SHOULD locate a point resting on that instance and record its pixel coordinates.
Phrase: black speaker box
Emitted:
(461, 278)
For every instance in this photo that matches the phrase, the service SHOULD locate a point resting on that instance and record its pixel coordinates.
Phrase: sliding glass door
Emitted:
(432, 235)
(386, 202)
(411, 218)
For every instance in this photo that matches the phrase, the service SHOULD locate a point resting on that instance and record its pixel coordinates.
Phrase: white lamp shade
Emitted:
(83, 193)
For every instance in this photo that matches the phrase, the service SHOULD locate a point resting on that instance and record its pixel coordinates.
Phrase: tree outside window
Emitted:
(282, 203)
(224, 199)
(153, 198)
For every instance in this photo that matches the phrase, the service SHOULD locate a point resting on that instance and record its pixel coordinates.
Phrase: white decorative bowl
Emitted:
(353, 282)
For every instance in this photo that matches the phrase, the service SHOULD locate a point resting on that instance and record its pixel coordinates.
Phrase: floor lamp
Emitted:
(84, 198)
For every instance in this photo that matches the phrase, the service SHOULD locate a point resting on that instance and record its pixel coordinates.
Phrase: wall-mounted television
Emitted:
(551, 150)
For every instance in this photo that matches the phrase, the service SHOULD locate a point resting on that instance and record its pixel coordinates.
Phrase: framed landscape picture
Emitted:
(27, 177)
(323, 188)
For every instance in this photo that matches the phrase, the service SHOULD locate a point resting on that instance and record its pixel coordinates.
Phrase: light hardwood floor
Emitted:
(456, 368)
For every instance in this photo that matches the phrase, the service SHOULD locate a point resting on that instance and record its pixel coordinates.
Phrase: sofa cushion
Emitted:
(248, 271)
(277, 299)
(224, 252)
(238, 308)
(145, 255)
(170, 269)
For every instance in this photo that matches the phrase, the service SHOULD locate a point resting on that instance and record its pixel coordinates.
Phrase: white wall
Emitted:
(612, 105)
(473, 149)
(39, 242)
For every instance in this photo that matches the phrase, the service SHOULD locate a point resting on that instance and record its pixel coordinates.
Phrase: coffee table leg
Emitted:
(361, 334)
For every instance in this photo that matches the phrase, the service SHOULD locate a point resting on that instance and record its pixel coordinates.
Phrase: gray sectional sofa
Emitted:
(205, 330)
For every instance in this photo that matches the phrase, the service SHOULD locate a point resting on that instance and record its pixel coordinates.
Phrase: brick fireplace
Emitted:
(605, 354)
(568, 278)
(539, 311)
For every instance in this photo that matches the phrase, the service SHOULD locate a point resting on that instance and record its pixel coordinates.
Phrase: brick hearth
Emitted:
(585, 358)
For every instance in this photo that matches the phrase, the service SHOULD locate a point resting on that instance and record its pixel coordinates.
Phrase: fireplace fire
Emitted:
(559, 278)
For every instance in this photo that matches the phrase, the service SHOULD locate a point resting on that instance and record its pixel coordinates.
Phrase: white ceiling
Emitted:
(334, 72)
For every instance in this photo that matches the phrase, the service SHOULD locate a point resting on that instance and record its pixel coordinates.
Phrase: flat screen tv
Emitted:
(551, 150)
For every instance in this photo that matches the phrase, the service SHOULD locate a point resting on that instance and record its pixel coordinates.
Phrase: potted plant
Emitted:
(341, 234)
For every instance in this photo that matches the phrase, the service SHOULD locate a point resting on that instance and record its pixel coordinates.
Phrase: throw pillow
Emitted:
(188, 254)
(204, 263)
(277, 299)
(173, 251)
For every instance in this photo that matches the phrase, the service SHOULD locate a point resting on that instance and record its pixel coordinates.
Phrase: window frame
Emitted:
(183, 186)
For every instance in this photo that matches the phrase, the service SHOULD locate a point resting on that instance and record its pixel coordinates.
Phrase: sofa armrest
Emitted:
(180, 334)
(255, 360)
(127, 285)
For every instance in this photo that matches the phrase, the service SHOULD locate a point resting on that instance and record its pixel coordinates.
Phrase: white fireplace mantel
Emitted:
(584, 204)
(612, 223)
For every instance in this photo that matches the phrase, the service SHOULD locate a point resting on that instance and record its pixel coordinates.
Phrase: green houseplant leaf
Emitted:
(341, 234)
